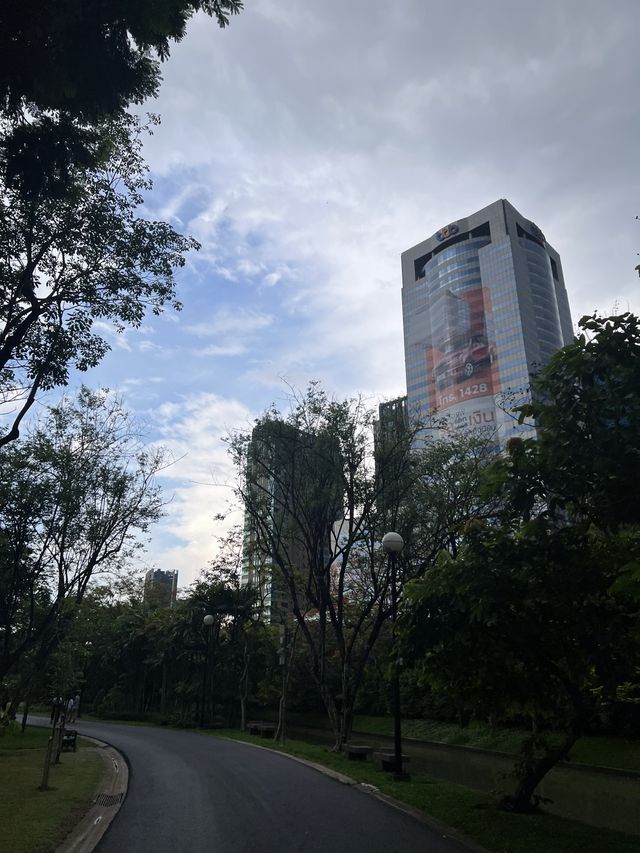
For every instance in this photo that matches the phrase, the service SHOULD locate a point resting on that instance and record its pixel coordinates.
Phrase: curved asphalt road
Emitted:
(190, 793)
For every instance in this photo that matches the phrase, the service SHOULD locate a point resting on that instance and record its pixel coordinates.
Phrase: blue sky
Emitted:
(307, 146)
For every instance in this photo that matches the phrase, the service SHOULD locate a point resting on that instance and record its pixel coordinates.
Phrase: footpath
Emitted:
(441, 761)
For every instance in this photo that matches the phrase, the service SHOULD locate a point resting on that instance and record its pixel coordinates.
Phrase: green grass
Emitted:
(608, 752)
(33, 737)
(472, 813)
(36, 821)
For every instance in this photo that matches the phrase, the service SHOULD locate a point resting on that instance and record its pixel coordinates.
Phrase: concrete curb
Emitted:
(113, 790)
(464, 844)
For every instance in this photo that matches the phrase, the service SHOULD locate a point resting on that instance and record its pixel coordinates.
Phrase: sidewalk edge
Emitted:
(114, 785)
(464, 844)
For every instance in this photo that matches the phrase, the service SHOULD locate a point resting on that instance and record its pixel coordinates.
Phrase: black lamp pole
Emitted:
(392, 544)
(207, 623)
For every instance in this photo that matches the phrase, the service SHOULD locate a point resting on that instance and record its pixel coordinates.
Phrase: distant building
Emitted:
(160, 587)
(289, 486)
(393, 421)
(393, 437)
(484, 306)
(265, 480)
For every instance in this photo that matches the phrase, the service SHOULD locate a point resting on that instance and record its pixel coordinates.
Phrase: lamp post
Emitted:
(392, 544)
(283, 652)
(207, 623)
(85, 669)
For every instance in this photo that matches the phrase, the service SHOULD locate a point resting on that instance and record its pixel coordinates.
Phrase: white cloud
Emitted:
(231, 320)
(135, 382)
(221, 350)
(271, 279)
(149, 346)
(201, 479)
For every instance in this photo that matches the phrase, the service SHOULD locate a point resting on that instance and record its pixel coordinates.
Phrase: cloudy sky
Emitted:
(308, 145)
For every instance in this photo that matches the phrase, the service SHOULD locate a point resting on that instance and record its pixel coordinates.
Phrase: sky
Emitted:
(310, 143)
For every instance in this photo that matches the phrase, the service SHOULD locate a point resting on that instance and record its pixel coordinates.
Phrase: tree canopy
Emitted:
(536, 615)
(68, 67)
(73, 249)
(76, 493)
(586, 406)
(88, 58)
(73, 259)
(528, 623)
(317, 501)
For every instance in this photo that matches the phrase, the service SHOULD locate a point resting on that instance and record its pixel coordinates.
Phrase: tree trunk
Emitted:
(346, 711)
(25, 714)
(347, 721)
(163, 689)
(244, 686)
(281, 731)
(328, 700)
(531, 771)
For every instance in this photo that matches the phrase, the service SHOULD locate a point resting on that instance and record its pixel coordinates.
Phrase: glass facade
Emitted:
(484, 306)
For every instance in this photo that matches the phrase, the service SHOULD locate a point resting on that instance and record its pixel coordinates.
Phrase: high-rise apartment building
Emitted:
(160, 587)
(292, 483)
(264, 481)
(484, 306)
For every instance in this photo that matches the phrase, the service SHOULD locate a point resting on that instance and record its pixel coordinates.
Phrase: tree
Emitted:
(528, 623)
(537, 612)
(66, 68)
(75, 496)
(140, 660)
(446, 495)
(73, 259)
(240, 607)
(71, 175)
(317, 502)
(89, 58)
(587, 409)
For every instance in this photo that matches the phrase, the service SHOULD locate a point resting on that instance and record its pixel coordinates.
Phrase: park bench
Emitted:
(69, 737)
(357, 751)
(387, 757)
(257, 727)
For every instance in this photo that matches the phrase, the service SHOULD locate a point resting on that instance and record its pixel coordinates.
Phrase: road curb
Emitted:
(107, 802)
(464, 844)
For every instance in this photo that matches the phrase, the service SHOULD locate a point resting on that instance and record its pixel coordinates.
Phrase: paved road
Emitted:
(190, 793)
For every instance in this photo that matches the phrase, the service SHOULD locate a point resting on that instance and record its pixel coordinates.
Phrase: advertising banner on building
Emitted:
(462, 374)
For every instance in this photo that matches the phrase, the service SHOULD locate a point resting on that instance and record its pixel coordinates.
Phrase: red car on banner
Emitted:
(462, 363)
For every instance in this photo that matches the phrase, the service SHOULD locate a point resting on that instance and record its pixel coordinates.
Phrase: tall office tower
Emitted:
(160, 587)
(484, 306)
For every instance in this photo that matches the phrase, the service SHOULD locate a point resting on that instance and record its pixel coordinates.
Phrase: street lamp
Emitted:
(392, 544)
(207, 623)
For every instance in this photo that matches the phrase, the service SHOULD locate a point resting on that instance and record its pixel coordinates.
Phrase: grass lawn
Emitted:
(471, 813)
(34, 821)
